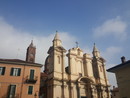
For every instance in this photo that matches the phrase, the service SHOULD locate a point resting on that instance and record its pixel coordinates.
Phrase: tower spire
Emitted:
(94, 47)
(31, 51)
(95, 52)
(56, 41)
(31, 44)
(56, 36)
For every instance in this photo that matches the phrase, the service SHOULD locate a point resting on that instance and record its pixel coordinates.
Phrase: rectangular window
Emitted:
(15, 71)
(2, 70)
(31, 74)
(30, 90)
(12, 91)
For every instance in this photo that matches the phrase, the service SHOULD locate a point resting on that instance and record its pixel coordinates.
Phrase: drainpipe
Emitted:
(22, 81)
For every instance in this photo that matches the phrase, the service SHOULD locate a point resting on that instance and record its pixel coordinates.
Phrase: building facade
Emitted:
(83, 77)
(18, 78)
(122, 72)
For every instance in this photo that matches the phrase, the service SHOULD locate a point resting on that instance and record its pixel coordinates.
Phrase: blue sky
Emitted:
(104, 22)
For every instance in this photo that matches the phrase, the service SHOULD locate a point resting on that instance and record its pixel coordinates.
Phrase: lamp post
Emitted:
(35, 95)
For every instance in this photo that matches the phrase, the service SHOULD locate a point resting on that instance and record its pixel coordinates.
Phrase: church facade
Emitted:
(84, 77)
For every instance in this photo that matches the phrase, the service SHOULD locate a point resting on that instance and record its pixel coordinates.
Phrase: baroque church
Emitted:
(84, 77)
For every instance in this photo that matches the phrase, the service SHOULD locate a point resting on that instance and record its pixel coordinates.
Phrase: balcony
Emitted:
(31, 80)
(11, 96)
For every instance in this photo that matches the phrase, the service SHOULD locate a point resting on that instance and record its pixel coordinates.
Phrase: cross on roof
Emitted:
(77, 44)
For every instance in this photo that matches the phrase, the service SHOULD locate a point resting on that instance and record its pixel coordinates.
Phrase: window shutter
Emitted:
(30, 90)
(9, 89)
(31, 74)
(12, 90)
(19, 72)
(11, 73)
(3, 72)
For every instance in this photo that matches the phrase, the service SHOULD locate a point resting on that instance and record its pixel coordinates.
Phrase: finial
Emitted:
(32, 41)
(94, 48)
(56, 31)
(56, 35)
(77, 44)
(31, 45)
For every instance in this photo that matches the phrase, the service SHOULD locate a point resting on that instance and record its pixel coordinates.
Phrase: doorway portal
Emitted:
(83, 97)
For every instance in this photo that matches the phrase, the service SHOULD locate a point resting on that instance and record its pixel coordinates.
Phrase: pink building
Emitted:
(18, 78)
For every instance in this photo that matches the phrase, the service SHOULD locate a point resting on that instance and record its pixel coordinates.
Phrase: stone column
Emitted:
(78, 90)
(92, 90)
(54, 89)
(71, 90)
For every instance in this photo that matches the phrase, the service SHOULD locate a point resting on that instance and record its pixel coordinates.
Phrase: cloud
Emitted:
(111, 53)
(14, 42)
(113, 27)
(112, 79)
(87, 50)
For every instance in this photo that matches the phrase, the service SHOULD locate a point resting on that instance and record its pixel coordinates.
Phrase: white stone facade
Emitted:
(84, 77)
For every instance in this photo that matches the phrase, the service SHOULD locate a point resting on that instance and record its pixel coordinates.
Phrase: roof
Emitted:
(19, 62)
(58, 47)
(56, 36)
(122, 65)
(115, 89)
(43, 74)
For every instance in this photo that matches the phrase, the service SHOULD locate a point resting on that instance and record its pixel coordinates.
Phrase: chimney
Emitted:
(123, 60)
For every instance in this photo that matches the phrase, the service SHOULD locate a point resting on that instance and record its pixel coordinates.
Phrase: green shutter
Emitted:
(31, 74)
(3, 71)
(12, 90)
(30, 90)
(11, 73)
(19, 72)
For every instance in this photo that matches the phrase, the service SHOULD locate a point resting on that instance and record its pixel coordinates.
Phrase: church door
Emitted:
(83, 97)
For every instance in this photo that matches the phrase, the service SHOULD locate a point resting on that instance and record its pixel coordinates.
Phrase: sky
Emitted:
(104, 22)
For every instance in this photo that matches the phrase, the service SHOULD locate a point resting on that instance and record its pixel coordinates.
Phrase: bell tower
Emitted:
(31, 51)
(99, 71)
(56, 68)
(56, 55)
(97, 63)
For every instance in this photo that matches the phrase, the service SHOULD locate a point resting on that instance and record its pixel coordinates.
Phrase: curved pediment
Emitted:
(85, 79)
